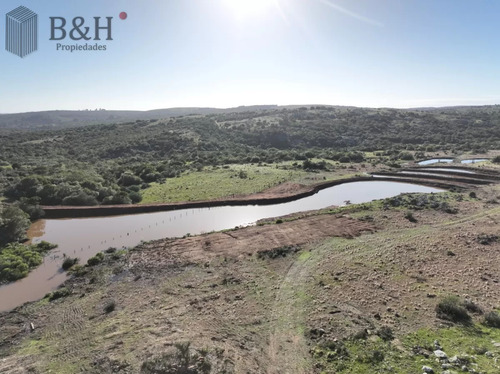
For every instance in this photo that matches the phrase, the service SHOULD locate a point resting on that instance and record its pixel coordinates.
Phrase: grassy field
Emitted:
(238, 180)
(219, 182)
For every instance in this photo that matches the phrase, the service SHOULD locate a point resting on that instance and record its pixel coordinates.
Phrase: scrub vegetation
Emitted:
(16, 260)
(126, 163)
(407, 284)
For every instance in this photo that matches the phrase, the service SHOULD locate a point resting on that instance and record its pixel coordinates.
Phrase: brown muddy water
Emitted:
(84, 237)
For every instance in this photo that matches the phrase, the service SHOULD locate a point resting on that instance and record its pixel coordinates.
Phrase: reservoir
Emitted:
(435, 161)
(84, 237)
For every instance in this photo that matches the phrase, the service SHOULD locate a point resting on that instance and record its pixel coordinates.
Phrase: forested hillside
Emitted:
(110, 164)
(59, 119)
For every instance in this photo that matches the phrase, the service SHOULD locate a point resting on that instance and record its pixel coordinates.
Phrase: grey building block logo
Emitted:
(21, 36)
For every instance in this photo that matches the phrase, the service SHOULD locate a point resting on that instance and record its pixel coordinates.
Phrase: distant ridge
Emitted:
(57, 119)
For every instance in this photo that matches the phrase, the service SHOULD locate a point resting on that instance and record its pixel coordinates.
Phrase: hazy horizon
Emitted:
(244, 106)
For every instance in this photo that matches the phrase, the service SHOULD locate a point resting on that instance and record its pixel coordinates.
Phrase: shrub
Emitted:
(80, 199)
(373, 357)
(183, 361)
(496, 160)
(69, 262)
(17, 259)
(96, 260)
(129, 179)
(135, 197)
(44, 246)
(12, 268)
(278, 252)
(109, 307)
(486, 239)
(406, 156)
(385, 333)
(336, 347)
(409, 216)
(361, 335)
(13, 224)
(62, 292)
(492, 319)
(451, 309)
(78, 271)
(472, 307)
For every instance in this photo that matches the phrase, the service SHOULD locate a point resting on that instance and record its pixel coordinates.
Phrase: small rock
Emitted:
(440, 354)
(454, 360)
(489, 354)
(496, 345)
(427, 369)
(464, 368)
(446, 366)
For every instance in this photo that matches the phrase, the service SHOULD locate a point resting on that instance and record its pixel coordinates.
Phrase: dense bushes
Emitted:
(452, 309)
(61, 292)
(109, 164)
(69, 262)
(13, 224)
(182, 361)
(96, 260)
(16, 259)
(492, 319)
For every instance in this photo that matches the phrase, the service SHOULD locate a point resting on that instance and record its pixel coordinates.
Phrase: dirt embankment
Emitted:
(247, 241)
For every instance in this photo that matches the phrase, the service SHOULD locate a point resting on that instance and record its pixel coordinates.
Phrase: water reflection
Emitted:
(435, 161)
(84, 237)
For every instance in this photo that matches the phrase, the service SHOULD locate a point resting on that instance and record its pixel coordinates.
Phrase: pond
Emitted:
(473, 161)
(435, 161)
(452, 170)
(84, 237)
(418, 173)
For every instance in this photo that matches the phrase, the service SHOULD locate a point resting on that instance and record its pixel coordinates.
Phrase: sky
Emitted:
(227, 53)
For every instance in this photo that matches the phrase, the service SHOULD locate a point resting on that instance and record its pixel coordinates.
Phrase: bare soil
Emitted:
(256, 311)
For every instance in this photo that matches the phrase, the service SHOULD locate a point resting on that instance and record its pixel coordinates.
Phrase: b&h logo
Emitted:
(66, 35)
(21, 31)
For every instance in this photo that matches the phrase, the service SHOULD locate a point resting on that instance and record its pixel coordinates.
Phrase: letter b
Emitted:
(54, 28)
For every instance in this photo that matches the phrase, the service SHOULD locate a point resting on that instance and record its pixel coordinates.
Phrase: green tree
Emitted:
(13, 224)
(129, 179)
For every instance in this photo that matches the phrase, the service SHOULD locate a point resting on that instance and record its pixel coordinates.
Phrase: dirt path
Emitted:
(288, 350)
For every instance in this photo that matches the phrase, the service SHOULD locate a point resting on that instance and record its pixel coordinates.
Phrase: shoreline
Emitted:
(55, 212)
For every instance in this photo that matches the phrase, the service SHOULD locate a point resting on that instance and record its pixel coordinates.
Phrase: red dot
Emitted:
(123, 15)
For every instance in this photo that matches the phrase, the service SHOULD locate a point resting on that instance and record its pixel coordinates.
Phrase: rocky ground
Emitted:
(350, 290)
